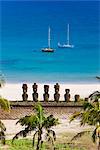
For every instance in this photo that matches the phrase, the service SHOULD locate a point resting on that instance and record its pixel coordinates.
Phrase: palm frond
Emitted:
(23, 121)
(22, 133)
(28, 121)
(75, 116)
(2, 126)
(2, 80)
(78, 135)
(85, 118)
(52, 133)
(50, 138)
(87, 105)
(4, 103)
(2, 137)
(38, 108)
(50, 121)
(40, 113)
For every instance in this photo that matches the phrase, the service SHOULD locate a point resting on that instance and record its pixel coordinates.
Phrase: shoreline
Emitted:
(13, 91)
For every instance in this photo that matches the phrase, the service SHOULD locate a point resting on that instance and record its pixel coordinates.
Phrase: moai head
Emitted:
(35, 86)
(24, 87)
(67, 91)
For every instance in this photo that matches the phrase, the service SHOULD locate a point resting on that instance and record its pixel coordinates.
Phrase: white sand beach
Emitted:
(14, 91)
(64, 126)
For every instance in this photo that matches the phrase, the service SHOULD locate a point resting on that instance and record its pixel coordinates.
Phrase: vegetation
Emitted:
(26, 144)
(89, 115)
(40, 124)
(62, 143)
(2, 80)
(4, 104)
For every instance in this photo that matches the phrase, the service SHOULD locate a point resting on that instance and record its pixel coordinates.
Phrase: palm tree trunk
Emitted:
(39, 140)
(38, 143)
(98, 143)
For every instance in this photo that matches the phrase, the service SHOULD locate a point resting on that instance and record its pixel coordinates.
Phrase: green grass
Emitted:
(26, 144)
(67, 147)
(20, 144)
(83, 143)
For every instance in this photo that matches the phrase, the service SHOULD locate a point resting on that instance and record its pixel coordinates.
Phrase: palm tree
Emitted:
(5, 105)
(2, 80)
(89, 115)
(39, 123)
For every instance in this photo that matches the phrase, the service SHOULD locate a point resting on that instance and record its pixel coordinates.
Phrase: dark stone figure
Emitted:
(56, 95)
(67, 95)
(77, 98)
(46, 95)
(24, 95)
(35, 94)
(86, 99)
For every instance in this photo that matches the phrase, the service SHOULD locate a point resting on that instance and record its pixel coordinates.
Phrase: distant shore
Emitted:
(13, 91)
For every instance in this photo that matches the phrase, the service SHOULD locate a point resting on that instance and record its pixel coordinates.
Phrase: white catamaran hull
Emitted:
(65, 46)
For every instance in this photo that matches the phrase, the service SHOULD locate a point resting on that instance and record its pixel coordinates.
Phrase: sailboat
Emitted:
(48, 49)
(66, 45)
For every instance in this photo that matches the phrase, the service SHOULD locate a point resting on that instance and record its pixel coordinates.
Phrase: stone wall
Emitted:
(21, 108)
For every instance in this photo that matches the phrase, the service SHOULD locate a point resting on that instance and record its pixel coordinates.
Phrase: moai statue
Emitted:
(24, 95)
(67, 95)
(46, 95)
(77, 98)
(56, 95)
(35, 94)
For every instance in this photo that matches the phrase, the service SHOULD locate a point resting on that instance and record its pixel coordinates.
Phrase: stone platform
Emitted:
(22, 108)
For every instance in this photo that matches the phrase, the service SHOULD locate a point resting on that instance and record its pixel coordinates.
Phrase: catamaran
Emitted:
(48, 49)
(66, 45)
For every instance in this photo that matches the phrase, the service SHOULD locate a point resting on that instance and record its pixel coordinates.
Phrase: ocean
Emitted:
(24, 32)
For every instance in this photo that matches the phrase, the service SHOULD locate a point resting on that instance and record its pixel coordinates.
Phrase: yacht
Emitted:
(67, 44)
(48, 49)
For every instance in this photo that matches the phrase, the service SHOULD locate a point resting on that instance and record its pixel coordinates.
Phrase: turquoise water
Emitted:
(24, 29)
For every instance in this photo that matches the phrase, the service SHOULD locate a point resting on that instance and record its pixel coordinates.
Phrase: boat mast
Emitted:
(49, 38)
(68, 34)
